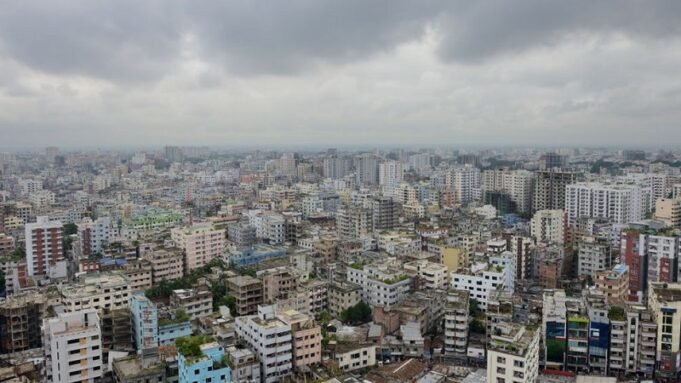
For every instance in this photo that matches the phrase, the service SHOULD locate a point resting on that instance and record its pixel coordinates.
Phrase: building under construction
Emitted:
(20, 319)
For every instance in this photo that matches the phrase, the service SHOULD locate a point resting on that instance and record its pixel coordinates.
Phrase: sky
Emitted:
(344, 72)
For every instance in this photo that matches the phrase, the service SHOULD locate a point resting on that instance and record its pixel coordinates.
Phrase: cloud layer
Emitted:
(339, 72)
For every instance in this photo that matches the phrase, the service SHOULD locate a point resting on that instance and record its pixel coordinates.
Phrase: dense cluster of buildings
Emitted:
(194, 265)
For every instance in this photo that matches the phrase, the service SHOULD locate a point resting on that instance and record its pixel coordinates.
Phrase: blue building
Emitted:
(169, 332)
(144, 322)
(254, 255)
(210, 366)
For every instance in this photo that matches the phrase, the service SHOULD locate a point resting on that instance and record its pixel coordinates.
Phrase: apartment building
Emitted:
(201, 244)
(104, 291)
(94, 235)
(209, 367)
(518, 185)
(270, 338)
(43, 245)
(139, 273)
(144, 315)
(593, 256)
(456, 322)
(73, 347)
(247, 292)
(664, 301)
(382, 285)
(633, 341)
(165, 265)
(513, 353)
(432, 276)
(306, 338)
(621, 203)
(614, 284)
(549, 226)
(245, 366)
(343, 295)
(354, 356)
(668, 210)
(277, 283)
(196, 302)
(485, 276)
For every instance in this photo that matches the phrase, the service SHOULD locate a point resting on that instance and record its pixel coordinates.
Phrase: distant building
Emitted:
(43, 245)
(549, 190)
(201, 244)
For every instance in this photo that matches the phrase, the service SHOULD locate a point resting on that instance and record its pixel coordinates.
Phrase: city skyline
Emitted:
(340, 74)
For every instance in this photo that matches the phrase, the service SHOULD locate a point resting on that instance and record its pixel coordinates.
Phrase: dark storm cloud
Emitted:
(479, 30)
(137, 40)
(130, 40)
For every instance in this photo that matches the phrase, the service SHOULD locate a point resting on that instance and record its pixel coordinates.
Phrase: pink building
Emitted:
(306, 338)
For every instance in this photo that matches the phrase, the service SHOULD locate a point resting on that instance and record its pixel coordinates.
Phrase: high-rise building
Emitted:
(549, 189)
(366, 167)
(517, 184)
(385, 213)
(73, 347)
(336, 167)
(390, 174)
(622, 203)
(464, 181)
(549, 226)
(43, 245)
(551, 160)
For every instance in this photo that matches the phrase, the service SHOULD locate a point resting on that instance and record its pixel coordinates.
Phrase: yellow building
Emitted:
(454, 258)
(13, 222)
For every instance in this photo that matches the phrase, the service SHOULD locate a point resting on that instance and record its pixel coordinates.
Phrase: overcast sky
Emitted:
(231, 72)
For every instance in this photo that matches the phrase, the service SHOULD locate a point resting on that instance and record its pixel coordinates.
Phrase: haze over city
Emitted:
(102, 74)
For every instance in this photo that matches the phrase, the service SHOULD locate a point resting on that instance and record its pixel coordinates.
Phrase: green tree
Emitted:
(70, 229)
(474, 308)
(478, 327)
(359, 313)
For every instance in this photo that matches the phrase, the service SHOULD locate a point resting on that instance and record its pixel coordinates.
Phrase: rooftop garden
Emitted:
(180, 317)
(399, 278)
(190, 346)
(358, 265)
(616, 313)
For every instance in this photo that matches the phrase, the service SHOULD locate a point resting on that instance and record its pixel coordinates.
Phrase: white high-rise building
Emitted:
(390, 174)
(548, 226)
(73, 347)
(43, 245)
(622, 203)
(464, 181)
(518, 184)
(270, 338)
(420, 162)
